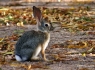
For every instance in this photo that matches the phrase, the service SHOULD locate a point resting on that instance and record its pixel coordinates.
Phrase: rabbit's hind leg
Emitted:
(36, 53)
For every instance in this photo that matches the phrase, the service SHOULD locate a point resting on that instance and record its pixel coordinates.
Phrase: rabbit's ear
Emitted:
(37, 13)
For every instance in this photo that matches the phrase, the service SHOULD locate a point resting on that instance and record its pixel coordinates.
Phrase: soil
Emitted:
(56, 51)
(58, 36)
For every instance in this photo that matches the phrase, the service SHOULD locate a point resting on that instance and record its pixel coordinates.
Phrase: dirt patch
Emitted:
(61, 60)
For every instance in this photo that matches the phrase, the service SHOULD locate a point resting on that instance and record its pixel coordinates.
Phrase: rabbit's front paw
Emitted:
(47, 60)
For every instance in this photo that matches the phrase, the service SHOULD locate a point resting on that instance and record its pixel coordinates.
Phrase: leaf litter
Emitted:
(73, 20)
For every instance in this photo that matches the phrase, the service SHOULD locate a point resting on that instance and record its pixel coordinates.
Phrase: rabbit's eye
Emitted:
(46, 25)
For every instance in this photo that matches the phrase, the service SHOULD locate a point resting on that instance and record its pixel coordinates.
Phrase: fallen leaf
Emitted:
(84, 69)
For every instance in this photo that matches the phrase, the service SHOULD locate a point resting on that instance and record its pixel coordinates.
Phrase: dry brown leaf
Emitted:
(78, 45)
(56, 46)
(84, 69)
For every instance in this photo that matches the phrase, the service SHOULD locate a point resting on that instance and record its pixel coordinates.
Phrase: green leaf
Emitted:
(0, 69)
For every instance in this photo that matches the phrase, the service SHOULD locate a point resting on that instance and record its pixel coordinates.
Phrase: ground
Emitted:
(61, 56)
(68, 49)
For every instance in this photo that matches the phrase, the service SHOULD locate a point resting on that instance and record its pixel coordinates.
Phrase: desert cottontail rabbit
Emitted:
(32, 42)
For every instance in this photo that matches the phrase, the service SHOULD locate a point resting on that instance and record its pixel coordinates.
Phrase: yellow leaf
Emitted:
(84, 54)
(90, 50)
(29, 67)
(4, 9)
(1, 39)
(20, 24)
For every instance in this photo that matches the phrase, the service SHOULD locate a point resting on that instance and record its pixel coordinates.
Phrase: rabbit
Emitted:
(31, 43)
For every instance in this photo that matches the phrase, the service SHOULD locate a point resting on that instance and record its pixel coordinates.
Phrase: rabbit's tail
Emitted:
(18, 58)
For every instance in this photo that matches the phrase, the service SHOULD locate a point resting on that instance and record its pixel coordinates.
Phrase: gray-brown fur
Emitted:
(27, 44)
(32, 42)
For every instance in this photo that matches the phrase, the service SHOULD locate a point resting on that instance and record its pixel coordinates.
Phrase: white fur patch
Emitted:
(46, 42)
(18, 58)
(36, 53)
